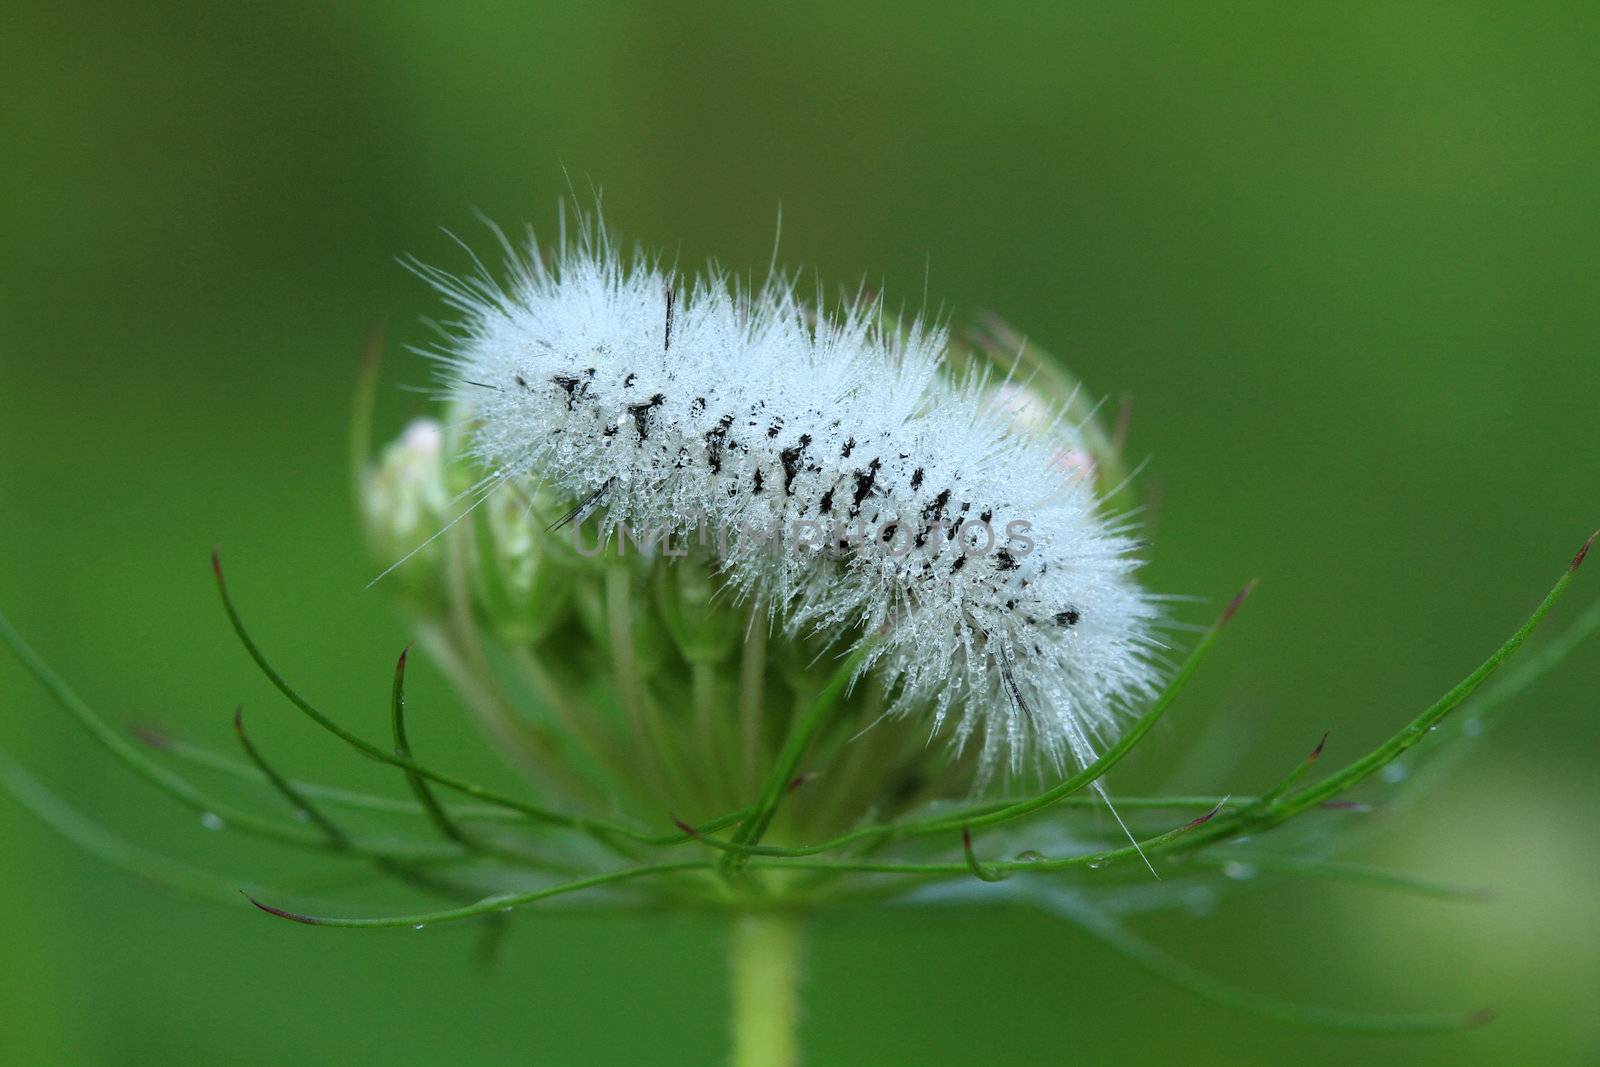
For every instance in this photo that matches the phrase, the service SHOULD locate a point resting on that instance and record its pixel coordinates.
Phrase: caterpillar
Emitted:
(876, 497)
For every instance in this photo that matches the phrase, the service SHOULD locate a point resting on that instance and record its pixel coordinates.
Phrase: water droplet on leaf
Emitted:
(1200, 902)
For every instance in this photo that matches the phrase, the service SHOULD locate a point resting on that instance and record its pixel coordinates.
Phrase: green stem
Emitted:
(752, 695)
(764, 960)
(810, 720)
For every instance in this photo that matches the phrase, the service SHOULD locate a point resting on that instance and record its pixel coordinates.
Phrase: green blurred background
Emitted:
(1343, 256)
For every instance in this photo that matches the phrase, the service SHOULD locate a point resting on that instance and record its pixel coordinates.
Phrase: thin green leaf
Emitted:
(487, 906)
(167, 874)
(1113, 934)
(806, 726)
(1479, 714)
(402, 748)
(337, 838)
(600, 829)
(174, 785)
(1418, 728)
(979, 871)
(1353, 873)
(200, 756)
(1095, 860)
(1284, 808)
(1535, 665)
(209, 808)
(1295, 775)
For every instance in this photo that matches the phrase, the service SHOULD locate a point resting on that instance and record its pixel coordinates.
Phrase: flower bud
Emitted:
(522, 574)
(404, 501)
(1051, 402)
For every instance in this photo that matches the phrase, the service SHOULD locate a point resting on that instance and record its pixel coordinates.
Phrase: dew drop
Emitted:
(419, 926)
(1200, 902)
(1029, 856)
(1099, 865)
(1239, 872)
(212, 821)
(1392, 773)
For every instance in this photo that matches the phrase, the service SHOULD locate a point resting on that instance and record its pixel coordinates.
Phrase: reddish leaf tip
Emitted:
(238, 720)
(800, 780)
(1196, 823)
(216, 563)
(989, 875)
(1481, 1017)
(1316, 752)
(292, 916)
(151, 735)
(1577, 561)
(685, 827)
(400, 664)
(372, 347)
(1237, 601)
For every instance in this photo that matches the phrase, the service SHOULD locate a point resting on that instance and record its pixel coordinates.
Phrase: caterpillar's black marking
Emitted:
(790, 458)
(576, 388)
(641, 415)
(865, 480)
(568, 385)
(716, 439)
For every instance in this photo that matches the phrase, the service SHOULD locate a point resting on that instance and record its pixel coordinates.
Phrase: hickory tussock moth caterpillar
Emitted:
(907, 504)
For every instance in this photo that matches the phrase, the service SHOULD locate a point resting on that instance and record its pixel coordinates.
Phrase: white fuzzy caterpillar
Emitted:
(902, 505)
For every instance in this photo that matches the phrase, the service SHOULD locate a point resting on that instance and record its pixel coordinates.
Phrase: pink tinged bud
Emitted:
(1074, 462)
